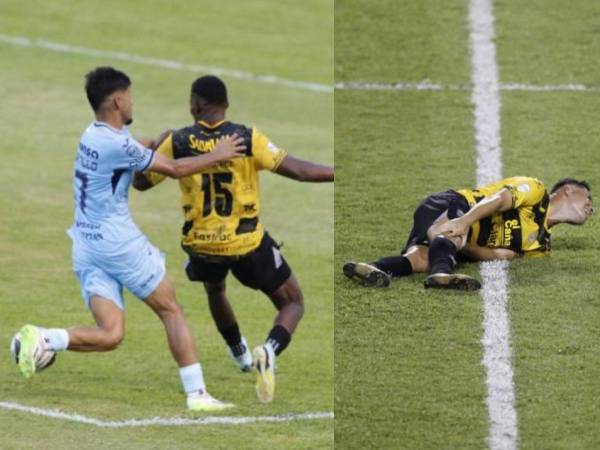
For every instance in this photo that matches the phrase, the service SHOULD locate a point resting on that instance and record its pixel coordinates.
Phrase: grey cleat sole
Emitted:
(454, 281)
(366, 274)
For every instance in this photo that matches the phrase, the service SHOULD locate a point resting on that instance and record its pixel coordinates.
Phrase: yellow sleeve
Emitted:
(166, 149)
(525, 191)
(266, 154)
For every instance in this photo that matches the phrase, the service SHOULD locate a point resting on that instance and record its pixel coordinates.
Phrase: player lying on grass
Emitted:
(109, 251)
(503, 220)
(222, 230)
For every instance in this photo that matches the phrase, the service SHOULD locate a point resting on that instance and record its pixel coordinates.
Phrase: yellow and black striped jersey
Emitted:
(221, 205)
(524, 227)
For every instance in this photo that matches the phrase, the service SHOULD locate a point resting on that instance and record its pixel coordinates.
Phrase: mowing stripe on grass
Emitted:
(496, 327)
(165, 421)
(431, 86)
(163, 63)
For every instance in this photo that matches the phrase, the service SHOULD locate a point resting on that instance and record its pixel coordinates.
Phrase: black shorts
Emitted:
(429, 210)
(264, 268)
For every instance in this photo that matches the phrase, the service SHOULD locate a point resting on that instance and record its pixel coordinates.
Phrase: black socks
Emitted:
(233, 337)
(396, 266)
(442, 255)
(279, 338)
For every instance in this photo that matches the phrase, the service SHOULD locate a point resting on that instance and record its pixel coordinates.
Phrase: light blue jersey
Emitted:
(109, 250)
(104, 166)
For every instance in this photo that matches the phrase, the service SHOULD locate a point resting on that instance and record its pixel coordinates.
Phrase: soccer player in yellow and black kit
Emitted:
(502, 220)
(222, 230)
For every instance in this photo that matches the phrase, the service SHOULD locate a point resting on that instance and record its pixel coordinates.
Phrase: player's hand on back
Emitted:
(229, 147)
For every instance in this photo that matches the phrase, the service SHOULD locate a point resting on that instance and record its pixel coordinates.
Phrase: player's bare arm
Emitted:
(499, 202)
(300, 170)
(227, 148)
(140, 180)
(480, 253)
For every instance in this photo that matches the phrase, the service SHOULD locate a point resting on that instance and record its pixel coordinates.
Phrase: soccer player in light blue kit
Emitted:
(109, 250)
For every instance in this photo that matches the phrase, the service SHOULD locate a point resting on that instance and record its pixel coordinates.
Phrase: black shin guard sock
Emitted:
(279, 338)
(442, 255)
(396, 266)
(233, 337)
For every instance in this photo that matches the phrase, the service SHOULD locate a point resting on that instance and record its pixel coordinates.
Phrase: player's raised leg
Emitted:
(181, 342)
(105, 336)
(226, 322)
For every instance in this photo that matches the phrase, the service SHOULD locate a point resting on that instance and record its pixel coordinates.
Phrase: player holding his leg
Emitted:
(502, 220)
(109, 250)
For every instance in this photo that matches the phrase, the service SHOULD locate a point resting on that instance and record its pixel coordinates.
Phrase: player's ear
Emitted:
(568, 190)
(115, 101)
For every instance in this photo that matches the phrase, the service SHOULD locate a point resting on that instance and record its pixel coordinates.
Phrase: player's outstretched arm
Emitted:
(141, 182)
(301, 170)
(227, 148)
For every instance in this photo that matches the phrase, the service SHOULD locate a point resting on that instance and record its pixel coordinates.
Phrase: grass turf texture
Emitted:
(44, 112)
(408, 371)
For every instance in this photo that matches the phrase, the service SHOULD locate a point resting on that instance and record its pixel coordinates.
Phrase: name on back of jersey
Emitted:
(87, 157)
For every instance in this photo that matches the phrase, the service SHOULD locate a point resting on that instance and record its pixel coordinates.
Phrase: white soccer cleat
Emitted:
(243, 361)
(205, 402)
(264, 364)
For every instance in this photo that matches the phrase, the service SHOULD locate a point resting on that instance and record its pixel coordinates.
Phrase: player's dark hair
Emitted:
(103, 81)
(211, 89)
(565, 181)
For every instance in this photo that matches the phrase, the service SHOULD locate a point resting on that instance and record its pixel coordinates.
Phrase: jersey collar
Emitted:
(211, 126)
(99, 124)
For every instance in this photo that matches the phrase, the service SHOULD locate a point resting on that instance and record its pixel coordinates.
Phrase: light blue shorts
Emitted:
(140, 267)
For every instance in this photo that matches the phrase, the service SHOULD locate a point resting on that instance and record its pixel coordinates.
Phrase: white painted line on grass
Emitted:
(431, 86)
(165, 421)
(23, 41)
(496, 325)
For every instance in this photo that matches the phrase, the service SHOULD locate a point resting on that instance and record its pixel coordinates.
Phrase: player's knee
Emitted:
(215, 290)
(112, 338)
(171, 308)
(295, 299)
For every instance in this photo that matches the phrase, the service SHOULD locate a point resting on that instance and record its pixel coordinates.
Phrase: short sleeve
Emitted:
(266, 154)
(133, 155)
(166, 149)
(526, 191)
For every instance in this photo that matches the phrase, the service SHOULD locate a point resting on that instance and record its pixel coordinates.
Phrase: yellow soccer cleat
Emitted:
(31, 344)
(204, 402)
(264, 364)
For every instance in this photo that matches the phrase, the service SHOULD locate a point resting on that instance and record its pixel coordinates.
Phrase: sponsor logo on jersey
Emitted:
(509, 226)
(201, 145)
